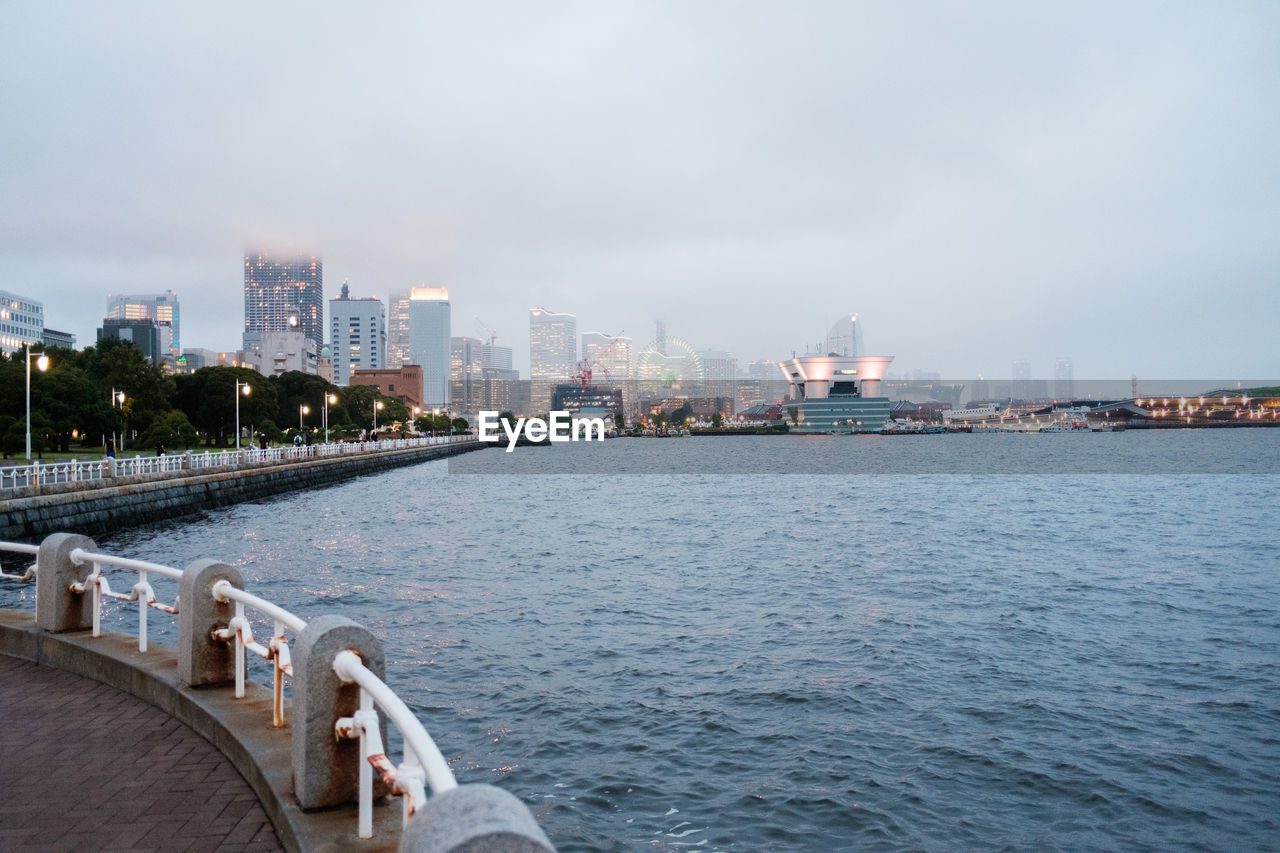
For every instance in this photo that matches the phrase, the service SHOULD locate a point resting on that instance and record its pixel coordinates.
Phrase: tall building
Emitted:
(553, 344)
(610, 352)
(496, 362)
(21, 321)
(278, 353)
(764, 369)
(398, 330)
(719, 365)
(1021, 388)
(161, 307)
(844, 338)
(278, 290)
(429, 343)
(466, 372)
(1064, 384)
(150, 336)
(357, 335)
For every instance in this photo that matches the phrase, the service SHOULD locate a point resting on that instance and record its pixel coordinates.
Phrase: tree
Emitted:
(460, 426)
(717, 420)
(172, 430)
(208, 398)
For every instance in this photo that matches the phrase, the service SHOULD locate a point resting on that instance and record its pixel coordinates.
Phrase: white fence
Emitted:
(69, 567)
(76, 471)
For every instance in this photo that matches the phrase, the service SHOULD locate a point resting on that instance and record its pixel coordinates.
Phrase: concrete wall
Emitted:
(105, 506)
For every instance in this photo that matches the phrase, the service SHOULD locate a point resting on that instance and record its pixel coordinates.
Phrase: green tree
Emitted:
(717, 420)
(460, 426)
(172, 431)
(208, 398)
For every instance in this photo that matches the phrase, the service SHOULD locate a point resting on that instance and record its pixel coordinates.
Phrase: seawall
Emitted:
(27, 514)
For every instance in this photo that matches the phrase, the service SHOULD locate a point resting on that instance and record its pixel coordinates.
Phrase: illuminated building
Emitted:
(21, 321)
(277, 289)
(429, 343)
(835, 394)
(162, 308)
(357, 335)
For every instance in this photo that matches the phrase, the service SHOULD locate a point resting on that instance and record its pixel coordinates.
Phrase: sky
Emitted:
(980, 182)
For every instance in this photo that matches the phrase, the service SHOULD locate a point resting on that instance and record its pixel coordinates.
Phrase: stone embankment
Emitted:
(97, 507)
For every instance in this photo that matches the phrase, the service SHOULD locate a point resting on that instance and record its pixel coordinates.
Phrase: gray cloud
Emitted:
(981, 182)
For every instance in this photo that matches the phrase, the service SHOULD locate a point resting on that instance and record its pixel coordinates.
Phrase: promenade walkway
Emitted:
(84, 766)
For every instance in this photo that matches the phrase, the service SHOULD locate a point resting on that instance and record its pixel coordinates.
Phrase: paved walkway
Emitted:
(84, 766)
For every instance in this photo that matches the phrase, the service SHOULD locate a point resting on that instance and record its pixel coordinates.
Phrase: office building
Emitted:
(357, 335)
(466, 372)
(54, 338)
(283, 293)
(398, 330)
(429, 343)
(610, 356)
(283, 352)
(162, 308)
(404, 383)
(21, 321)
(553, 344)
(151, 337)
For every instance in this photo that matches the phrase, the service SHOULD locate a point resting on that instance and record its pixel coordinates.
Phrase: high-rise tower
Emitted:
(161, 307)
(553, 344)
(357, 335)
(429, 343)
(277, 288)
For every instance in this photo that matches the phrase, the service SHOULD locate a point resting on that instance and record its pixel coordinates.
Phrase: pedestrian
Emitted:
(159, 450)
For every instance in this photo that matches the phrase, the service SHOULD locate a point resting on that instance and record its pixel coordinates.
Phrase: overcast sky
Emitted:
(980, 182)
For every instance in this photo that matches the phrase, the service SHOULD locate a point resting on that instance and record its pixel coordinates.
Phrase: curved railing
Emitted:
(76, 471)
(422, 765)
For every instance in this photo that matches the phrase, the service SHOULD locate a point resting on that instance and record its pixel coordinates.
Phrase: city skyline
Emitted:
(979, 184)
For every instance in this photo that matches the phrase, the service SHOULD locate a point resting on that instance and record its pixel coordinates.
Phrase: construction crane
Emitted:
(488, 333)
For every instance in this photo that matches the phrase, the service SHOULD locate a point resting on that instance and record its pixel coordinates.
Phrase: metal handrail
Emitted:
(75, 471)
(422, 761)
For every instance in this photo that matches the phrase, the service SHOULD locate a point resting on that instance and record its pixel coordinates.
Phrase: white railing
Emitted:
(422, 760)
(75, 471)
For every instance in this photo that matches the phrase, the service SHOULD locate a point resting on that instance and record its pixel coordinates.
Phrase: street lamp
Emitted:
(42, 364)
(377, 404)
(416, 410)
(117, 399)
(241, 388)
(302, 410)
(328, 400)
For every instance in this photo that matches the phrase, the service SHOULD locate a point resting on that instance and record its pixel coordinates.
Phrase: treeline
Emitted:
(76, 402)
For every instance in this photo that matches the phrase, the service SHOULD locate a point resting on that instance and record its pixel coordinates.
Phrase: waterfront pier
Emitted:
(100, 496)
(316, 762)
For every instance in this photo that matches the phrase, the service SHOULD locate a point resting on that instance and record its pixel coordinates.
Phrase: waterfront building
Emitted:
(403, 382)
(163, 308)
(398, 329)
(21, 321)
(588, 401)
(54, 338)
(429, 343)
(608, 355)
(149, 336)
(844, 337)
(278, 290)
(835, 394)
(357, 334)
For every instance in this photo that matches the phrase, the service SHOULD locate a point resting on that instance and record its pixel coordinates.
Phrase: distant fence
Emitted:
(76, 471)
(337, 737)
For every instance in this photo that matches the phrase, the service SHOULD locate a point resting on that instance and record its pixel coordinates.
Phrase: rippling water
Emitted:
(814, 662)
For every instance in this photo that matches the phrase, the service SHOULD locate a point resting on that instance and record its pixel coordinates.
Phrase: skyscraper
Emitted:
(357, 335)
(279, 288)
(161, 307)
(553, 344)
(398, 330)
(429, 343)
(611, 352)
(466, 369)
(844, 338)
(1064, 384)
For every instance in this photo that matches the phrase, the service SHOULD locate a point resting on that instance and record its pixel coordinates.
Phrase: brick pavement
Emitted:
(84, 766)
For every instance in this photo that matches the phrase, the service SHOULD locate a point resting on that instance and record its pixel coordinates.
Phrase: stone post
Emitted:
(325, 769)
(471, 819)
(57, 607)
(202, 660)
(186, 460)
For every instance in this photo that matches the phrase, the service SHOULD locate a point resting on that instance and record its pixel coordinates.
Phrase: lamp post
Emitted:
(377, 404)
(328, 400)
(241, 388)
(42, 364)
(302, 410)
(117, 399)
